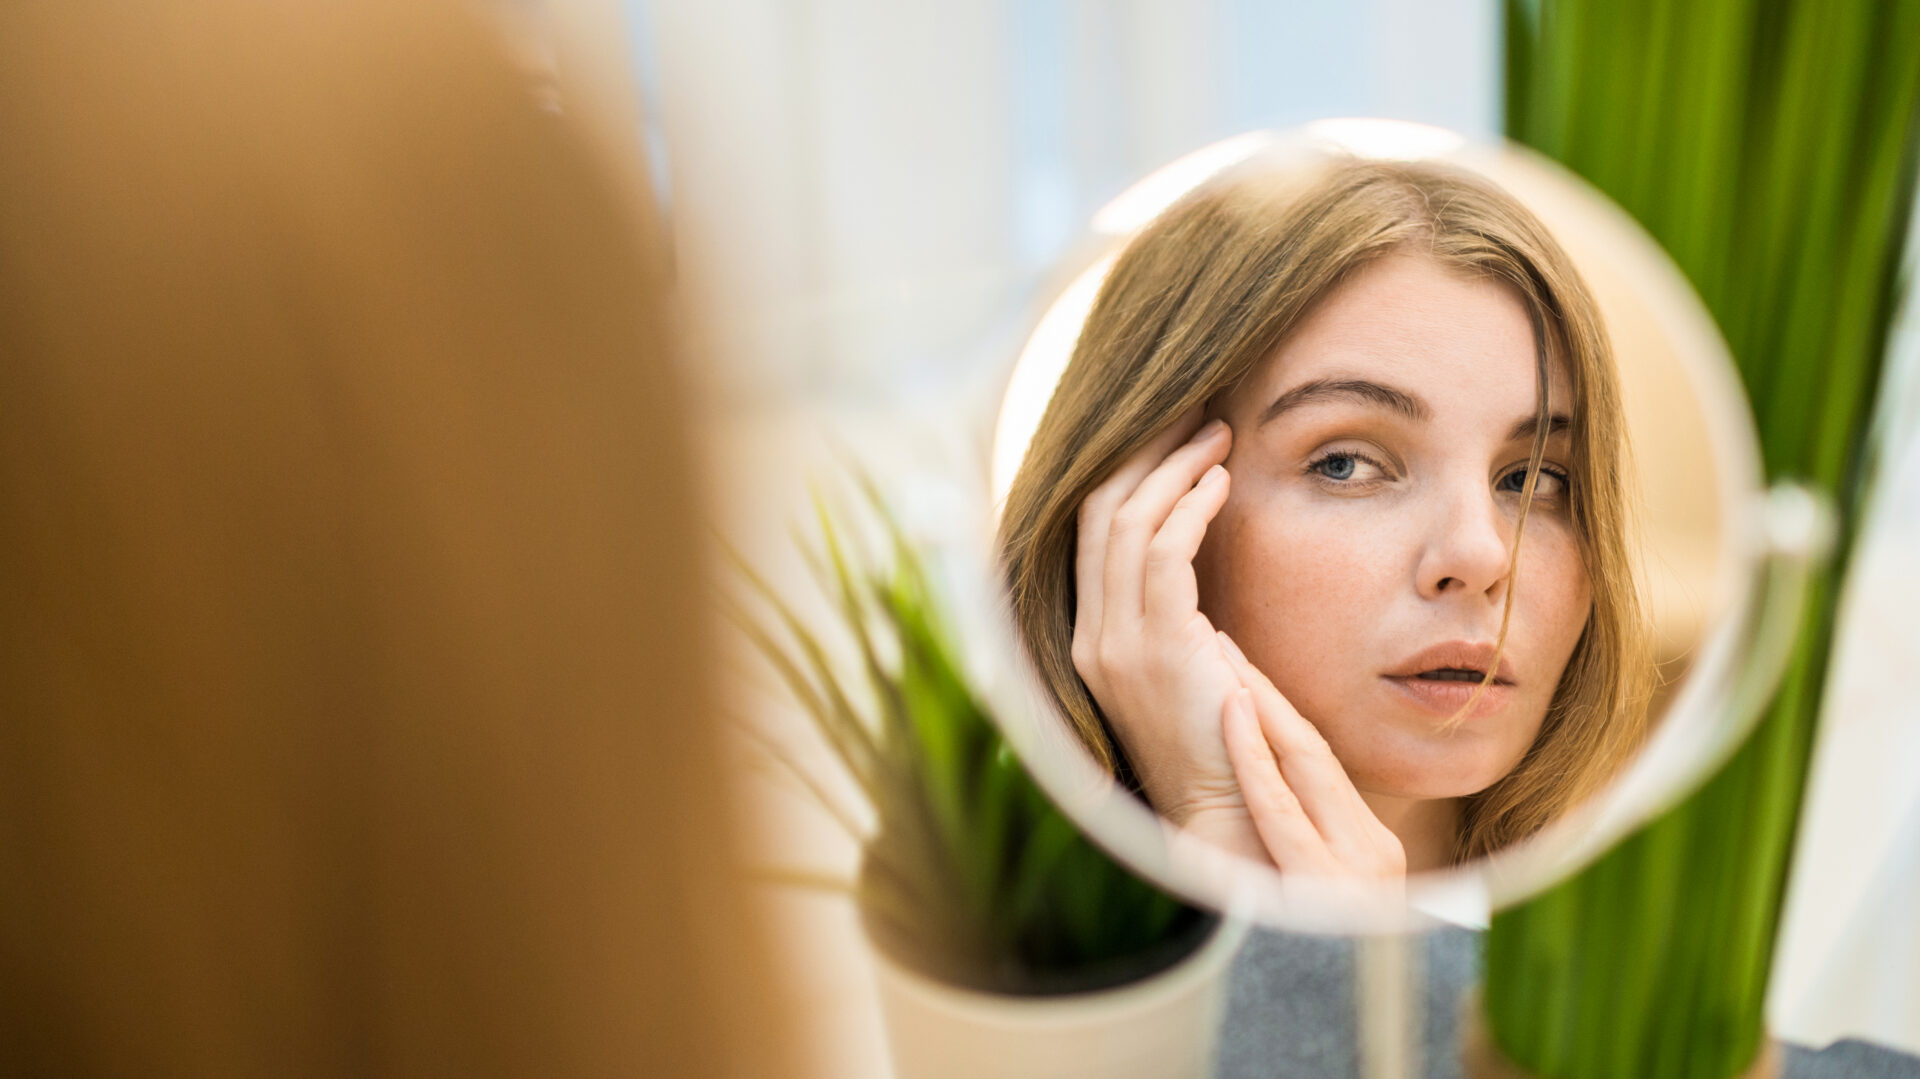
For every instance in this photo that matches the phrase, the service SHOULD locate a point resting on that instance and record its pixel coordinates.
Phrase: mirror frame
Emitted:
(1768, 543)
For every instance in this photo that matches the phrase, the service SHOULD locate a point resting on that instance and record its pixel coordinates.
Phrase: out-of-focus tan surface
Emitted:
(353, 609)
(1679, 471)
(1679, 474)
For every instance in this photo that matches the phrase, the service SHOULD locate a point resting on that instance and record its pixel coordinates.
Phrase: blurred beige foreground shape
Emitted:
(351, 607)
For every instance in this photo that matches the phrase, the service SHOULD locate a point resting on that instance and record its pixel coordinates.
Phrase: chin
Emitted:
(1449, 773)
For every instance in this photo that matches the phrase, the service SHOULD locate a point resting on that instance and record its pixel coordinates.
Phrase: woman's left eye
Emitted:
(1553, 482)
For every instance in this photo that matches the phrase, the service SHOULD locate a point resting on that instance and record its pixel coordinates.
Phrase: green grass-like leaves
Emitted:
(972, 875)
(1770, 147)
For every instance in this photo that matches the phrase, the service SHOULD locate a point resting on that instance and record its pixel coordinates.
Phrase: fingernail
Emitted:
(1213, 475)
(1237, 710)
(1209, 429)
(1232, 649)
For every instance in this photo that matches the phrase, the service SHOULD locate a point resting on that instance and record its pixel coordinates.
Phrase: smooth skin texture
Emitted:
(1251, 584)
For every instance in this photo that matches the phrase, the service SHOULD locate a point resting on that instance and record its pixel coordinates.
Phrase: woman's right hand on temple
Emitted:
(1151, 659)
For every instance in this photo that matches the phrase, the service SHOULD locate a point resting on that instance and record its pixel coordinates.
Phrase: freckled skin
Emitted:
(1327, 587)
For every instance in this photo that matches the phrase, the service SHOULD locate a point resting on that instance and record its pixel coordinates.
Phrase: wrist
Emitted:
(1226, 826)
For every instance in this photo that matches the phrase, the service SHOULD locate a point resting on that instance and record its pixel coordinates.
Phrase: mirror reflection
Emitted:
(1332, 541)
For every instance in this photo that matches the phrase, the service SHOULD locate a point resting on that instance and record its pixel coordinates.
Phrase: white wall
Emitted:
(866, 193)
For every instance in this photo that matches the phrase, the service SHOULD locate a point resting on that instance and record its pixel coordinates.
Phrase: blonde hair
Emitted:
(1209, 290)
(358, 711)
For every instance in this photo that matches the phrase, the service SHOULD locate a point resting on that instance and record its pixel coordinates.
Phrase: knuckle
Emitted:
(1393, 857)
(1095, 505)
(1314, 742)
(1126, 521)
(1084, 655)
(1164, 550)
(1283, 801)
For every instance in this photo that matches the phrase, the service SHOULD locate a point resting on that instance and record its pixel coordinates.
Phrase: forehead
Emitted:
(1461, 343)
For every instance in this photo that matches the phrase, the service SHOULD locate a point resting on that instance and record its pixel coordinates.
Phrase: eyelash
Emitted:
(1553, 471)
(1314, 468)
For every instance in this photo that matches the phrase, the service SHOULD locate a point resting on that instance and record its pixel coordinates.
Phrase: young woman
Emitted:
(1266, 547)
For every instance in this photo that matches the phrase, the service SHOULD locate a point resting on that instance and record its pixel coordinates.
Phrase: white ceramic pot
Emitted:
(1161, 1027)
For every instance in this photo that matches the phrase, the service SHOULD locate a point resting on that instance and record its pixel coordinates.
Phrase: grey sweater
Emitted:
(1291, 1013)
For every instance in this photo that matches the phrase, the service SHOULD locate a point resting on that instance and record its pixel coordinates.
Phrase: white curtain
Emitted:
(867, 193)
(1848, 960)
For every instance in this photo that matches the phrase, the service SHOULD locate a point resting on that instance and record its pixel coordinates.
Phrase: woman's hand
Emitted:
(1308, 814)
(1199, 723)
(1152, 661)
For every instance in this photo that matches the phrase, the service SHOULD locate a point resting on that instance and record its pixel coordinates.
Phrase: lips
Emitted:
(1456, 656)
(1443, 678)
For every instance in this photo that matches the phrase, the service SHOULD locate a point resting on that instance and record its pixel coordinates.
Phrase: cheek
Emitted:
(1298, 591)
(1555, 590)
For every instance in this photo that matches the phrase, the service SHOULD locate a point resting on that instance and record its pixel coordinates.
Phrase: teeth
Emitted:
(1451, 674)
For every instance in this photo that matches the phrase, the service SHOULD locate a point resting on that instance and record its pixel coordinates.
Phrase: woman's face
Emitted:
(1362, 557)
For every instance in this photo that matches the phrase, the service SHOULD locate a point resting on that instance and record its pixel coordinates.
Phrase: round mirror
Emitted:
(1381, 524)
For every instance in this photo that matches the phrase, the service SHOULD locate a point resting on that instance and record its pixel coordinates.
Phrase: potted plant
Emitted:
(1008, 944)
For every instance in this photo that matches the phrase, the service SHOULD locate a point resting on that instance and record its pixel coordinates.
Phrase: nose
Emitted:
(1468, 545)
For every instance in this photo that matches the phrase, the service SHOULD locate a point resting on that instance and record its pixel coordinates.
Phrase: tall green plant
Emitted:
(1770, 147)
(972, 876)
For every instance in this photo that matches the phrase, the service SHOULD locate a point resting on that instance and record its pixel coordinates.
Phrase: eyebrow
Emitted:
(1396, 400)
(1557, 424)
(1351, 389)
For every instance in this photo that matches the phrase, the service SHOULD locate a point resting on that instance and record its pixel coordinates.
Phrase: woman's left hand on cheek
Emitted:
(1308, 814)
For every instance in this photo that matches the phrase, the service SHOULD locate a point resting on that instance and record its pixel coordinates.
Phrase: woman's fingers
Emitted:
(1172, 593)
(1282, 822)
(1314, 774)
(1140, 518)
(1095, 523)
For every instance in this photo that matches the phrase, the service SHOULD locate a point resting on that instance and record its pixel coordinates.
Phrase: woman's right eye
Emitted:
(1338, 466)
(1345, 467)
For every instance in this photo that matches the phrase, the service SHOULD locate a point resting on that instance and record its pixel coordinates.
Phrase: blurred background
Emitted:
(867, 199)
(315, 682)
(872, 192)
